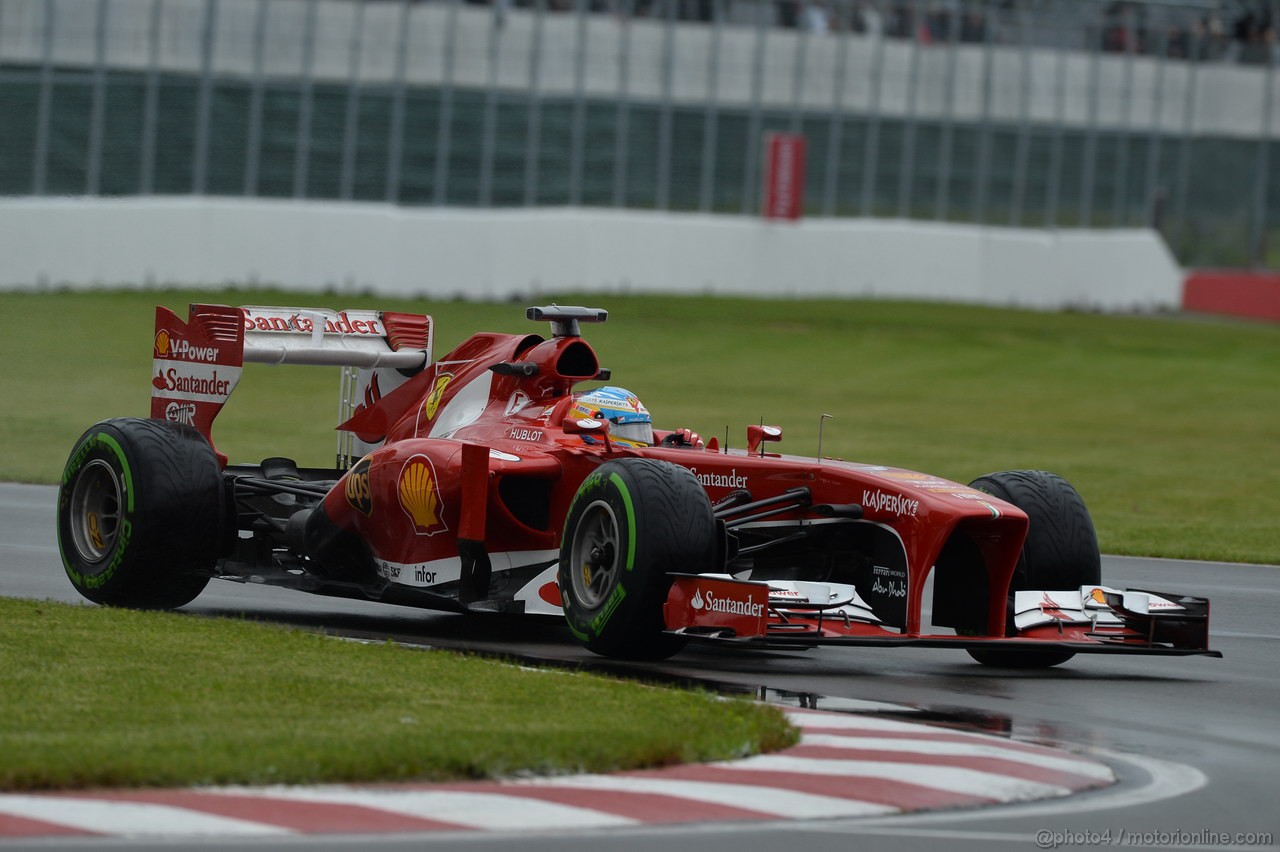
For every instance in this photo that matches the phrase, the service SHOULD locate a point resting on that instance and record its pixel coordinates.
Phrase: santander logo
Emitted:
(729, 606)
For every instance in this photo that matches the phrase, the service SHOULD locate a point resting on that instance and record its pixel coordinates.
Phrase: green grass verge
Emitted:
(100, 697)
(1167, 426)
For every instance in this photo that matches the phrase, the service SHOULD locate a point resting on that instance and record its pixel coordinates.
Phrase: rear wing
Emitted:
(197, 362)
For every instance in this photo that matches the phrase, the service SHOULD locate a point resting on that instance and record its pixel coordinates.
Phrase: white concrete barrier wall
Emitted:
(498, 254)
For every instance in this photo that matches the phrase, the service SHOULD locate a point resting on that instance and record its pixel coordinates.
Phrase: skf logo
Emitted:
(357, 489)
(420, 496)
(432, 405)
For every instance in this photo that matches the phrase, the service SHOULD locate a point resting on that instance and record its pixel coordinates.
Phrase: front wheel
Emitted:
(631, 522)
(140, 514)
(1061, 550)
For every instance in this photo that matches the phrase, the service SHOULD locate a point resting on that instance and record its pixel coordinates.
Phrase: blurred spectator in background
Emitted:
(900, 21)
(788, 13)
(974, 27)
(1179, 30)
(867, 19)
(817, 17)
(1254, 35)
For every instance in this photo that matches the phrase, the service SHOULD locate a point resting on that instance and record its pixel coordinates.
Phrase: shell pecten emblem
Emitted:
(420, 496)
(162, 343)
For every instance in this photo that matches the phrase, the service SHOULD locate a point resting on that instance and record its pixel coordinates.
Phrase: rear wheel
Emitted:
(140, 514)
(1061, 550)
(631, 522)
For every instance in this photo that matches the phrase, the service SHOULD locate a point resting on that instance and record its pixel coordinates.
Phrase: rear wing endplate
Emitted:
(197, 362)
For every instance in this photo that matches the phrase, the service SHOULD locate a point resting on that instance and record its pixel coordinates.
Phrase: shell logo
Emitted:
(1098, 596)
(432, 403)
(162, 343)
(420, 496)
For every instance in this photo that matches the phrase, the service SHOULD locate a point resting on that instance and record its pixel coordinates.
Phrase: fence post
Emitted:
(1184, 148)
(710, 116)
(946, 141)
(1054, 188)
(1152, 194)
(489, 127)
(835, 123)
(622, 116)
(1022, 152)
(44, 108)
(1258, 223)
(662, 199)
(533, 138)
(253, 142)
(444, 129)
(1119, 215)
(906, 174)
(983, 177)
(395, 147)
(351, 118)
(1089, 162)
(751, 157)
(871, 148)
(577, 120)
(93, 171)
(204, 100)
(797, 76)
(302, 144)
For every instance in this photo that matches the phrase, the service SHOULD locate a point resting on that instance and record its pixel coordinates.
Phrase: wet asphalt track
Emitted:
(1195, 741)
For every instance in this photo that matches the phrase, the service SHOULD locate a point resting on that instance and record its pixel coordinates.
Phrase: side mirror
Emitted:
(758, 435)
(588, 426)
(585, 426)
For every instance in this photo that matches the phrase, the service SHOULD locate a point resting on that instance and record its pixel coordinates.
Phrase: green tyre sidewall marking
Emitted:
(98, 441)
(631, 518)
(597, 487)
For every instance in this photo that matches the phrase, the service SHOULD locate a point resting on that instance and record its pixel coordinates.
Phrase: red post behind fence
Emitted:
(784, 176)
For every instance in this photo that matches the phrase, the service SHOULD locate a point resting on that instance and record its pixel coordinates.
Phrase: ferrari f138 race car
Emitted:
(486, 481)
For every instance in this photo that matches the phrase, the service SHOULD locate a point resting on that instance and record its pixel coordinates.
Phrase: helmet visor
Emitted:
(634, 431)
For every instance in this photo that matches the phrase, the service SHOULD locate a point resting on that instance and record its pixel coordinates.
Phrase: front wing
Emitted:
(781, 614)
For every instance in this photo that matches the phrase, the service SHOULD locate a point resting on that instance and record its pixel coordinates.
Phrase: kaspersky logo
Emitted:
(420, 496)
(181, 349)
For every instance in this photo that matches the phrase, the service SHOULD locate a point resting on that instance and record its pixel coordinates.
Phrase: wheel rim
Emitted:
(95, 511)
(594, 556)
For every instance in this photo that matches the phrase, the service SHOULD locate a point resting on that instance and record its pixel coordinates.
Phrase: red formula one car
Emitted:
(484, 482)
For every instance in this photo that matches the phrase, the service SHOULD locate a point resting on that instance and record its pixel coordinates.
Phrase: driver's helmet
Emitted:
(628, 418)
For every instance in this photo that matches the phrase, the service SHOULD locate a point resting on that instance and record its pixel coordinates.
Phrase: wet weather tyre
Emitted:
(631, 522)
(1061, 550)
(140, 514)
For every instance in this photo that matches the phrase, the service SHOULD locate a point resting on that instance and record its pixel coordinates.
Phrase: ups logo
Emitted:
(358, 492)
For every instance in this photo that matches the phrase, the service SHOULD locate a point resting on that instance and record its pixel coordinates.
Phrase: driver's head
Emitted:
(628, 418)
